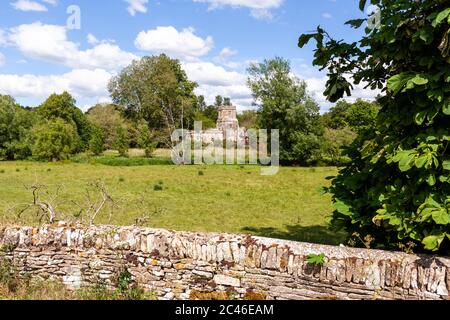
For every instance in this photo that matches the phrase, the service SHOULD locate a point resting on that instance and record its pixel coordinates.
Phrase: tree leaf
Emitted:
(446, 108)
(441, 217)
(419, 80)
(397, 82)
(304, 39)
(420, 117)
(433, 242)
(356, 23)
(446, 165)
(362, 4)
(441, 17)
(342, 208)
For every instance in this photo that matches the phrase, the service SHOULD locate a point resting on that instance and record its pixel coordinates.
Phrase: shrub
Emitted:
(121, 143)
(97, 141)
(54, 140)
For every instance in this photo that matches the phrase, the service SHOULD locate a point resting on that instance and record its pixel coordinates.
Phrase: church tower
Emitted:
(227, 119)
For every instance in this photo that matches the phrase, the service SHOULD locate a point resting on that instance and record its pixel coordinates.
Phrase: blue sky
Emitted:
(215, 40)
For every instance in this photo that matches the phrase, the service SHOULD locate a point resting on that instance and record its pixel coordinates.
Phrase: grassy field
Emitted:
(234, 199)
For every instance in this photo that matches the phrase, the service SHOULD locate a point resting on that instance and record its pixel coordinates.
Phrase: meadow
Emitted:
(234, 199)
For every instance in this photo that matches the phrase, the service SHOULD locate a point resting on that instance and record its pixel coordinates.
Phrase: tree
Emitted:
(145, 140)
(108, 117)
(248, 119)
(362, 116)
(218, 101)
(212, 113)
(54, 140)
(207, 122)
(201, 103)
(97, 142)
(15, 125)
(337, 117)
(359, 116)
(63, 106)
(396, 189)
(284, 104)
(157, 90)
(121, 144)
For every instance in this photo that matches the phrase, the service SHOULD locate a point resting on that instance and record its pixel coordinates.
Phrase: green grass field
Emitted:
(235, 199)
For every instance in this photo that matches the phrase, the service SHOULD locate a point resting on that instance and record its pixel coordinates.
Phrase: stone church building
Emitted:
(227, 128)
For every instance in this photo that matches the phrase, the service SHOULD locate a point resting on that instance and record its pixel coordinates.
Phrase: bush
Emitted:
(97, 141)
(54, 140)
(121, 143)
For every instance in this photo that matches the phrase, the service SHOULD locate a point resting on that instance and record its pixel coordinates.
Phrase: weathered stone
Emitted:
(227, 281)
(175, 264)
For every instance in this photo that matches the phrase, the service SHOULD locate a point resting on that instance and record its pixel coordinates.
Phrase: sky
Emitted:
(48, 46)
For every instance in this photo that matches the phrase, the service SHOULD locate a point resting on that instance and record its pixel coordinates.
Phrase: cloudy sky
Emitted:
(45, 48)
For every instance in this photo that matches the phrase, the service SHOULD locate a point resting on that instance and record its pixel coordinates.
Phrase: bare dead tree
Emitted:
(46, 210)
(147, 215)
(96, 199)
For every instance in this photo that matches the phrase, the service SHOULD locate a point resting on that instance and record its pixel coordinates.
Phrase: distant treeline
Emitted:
(153, 96)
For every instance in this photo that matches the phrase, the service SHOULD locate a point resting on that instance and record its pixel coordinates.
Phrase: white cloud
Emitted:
(52, 2)
(91, 39)
(252, 4)
(80, 82)
(214, 80)
(327, 15)
(211, 74)
(27, 5)
(260, 9)
(135, 6)
(50, 43)
(2, 59)
(316, 87)
(181, 44)
(224, 58)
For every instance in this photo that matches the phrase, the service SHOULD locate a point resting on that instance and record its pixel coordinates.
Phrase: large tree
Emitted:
(155, 89)
(396, 190)
(284, 104)
(15, 125)
(63, 106)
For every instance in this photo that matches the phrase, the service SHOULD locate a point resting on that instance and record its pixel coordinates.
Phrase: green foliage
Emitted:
(335, 142)
(207, 122)
(285, 105)
(360, 116)
(397, 187)
(145, 140)
(316, 259)
(124, 280)
(54, 140)
(108, 117)
(63, 106)
(248, 119)
(15, 125)
(157, 90)
(97, 141)
(121, 143)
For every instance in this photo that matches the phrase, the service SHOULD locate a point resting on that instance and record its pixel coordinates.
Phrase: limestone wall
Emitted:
(179, 265)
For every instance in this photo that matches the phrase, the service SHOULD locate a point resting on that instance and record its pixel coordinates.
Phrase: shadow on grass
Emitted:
(311, 234)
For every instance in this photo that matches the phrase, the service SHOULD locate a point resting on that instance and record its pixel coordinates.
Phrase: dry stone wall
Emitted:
(181, 265)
